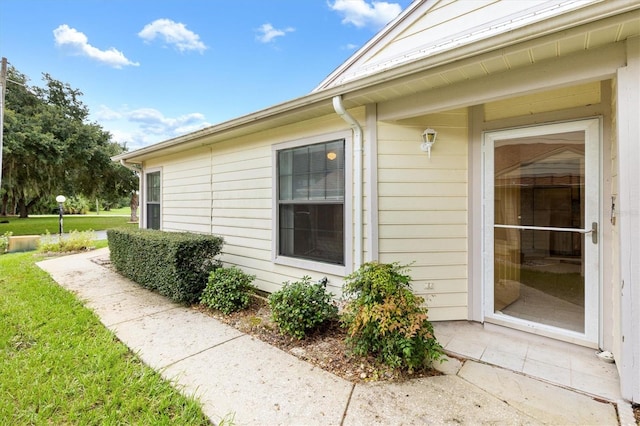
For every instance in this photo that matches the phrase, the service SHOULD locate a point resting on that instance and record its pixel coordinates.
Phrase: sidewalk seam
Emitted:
(136, 318)
(204, 350)
(346, 408)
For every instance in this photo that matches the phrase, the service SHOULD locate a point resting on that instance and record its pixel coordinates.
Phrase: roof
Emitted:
(427, 27)
(563, 27)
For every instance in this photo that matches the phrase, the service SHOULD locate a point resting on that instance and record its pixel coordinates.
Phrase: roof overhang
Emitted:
(405, 79)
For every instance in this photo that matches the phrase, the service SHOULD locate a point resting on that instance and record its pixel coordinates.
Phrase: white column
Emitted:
(628, 107)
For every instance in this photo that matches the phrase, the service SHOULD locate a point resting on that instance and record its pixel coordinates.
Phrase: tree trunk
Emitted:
(5, 203)
(134, 207)
(23, 210)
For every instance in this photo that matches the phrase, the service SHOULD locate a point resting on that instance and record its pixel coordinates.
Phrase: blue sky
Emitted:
(152, 70)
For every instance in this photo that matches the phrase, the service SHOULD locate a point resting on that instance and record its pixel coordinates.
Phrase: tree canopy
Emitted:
(51, 148)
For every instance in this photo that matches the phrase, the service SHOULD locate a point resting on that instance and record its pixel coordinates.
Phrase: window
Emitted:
(152, 206)
(311, 202)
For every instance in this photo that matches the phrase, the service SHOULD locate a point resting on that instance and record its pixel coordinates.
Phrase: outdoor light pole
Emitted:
(60, 199)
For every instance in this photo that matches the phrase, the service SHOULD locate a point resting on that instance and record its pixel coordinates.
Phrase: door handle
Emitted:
(594, 232)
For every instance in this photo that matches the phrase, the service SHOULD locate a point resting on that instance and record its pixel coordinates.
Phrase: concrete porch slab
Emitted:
(543, 401)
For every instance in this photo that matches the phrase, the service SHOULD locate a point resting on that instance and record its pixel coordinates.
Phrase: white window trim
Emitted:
(144, 195)
(311, 265)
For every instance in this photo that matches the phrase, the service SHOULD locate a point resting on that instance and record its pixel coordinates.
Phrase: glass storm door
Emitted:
(541, 219)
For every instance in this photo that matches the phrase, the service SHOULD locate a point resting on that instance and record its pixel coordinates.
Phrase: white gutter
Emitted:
(131, 166)
(357, 176)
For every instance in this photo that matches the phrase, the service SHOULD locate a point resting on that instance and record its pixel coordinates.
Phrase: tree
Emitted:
(50, 148)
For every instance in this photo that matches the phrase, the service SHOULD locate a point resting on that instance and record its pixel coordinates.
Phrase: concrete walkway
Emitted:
(238, 377)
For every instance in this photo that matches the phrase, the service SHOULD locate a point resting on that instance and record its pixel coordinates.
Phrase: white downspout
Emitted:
(357, 176)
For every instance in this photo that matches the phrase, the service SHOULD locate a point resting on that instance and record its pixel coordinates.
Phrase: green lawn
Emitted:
(39, 225)
(122, 211)
(59, 365)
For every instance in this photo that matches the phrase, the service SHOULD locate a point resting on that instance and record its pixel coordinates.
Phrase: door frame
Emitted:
(593, 213)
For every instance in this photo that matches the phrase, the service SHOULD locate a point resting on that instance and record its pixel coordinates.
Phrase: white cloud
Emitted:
(361, 13)
(153, 121)
(144, 126)
(105, 113)
(79, 43)
(266, 33)
(173, 33)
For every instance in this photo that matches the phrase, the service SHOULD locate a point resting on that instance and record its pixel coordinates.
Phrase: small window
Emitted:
(311, 194)
(153, 200)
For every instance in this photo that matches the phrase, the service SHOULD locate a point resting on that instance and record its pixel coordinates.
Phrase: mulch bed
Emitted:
(325, 348)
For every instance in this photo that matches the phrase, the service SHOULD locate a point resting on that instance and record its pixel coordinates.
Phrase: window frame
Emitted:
(315, 265)
(146, 201)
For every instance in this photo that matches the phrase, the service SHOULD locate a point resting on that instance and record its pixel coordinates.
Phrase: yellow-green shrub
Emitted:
(75, 241)
(384, 318)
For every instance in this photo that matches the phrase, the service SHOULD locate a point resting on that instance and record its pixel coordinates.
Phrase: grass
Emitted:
(122, 211)
(40, 225)
(59, 365)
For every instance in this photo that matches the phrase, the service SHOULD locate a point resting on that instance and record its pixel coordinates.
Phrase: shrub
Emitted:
(175, 264)
(75, 241)
(228, 290)
(384, 318)
(301, 307)
(4, 241)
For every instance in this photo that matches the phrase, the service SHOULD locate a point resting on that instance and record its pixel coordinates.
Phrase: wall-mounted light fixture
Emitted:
(428, 139)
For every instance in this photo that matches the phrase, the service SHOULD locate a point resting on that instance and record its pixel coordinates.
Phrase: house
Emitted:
(524, 212)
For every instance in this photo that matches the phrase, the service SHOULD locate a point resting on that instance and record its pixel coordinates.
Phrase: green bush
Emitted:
(384, 318)
(75, 241)
(301, 307)
(4, 241)
(228, 290)
(175, 264)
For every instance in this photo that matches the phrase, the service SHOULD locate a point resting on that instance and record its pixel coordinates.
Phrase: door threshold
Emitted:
(542, 331)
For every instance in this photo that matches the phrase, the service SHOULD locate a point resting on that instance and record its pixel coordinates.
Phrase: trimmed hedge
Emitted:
(175, 264)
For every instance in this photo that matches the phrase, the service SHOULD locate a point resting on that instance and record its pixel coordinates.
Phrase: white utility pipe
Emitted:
(357, 176)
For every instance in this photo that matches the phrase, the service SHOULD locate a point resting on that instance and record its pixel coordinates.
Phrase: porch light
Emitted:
(428, 139)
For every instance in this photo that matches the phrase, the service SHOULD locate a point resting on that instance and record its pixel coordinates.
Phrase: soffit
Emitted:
(566, 43)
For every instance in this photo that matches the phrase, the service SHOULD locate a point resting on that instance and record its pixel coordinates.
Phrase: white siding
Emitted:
(423, 208)
(186, 191)
(226, 189)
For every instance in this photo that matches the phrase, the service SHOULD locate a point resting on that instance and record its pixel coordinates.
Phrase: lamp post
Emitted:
(60, 199)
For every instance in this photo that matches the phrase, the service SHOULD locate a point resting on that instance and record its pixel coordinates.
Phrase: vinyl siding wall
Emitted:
(422, 216)
(423, 208)
(226, 189)
(186, 191)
